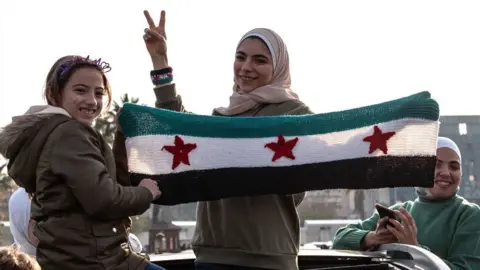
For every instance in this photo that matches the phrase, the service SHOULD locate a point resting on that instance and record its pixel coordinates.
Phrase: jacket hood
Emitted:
(22, 141)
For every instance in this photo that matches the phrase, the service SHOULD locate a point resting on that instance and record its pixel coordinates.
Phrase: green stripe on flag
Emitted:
(138, 120)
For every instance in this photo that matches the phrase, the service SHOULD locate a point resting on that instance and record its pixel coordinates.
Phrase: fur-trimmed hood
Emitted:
(22, 141)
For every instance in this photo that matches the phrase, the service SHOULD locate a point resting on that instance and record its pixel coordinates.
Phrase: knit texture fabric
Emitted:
(202, 158)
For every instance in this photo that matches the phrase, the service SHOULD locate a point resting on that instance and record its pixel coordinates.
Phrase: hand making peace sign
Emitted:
(156, 38)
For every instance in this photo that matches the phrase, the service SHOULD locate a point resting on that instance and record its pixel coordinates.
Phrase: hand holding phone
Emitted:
(385, 212)
(381, 235)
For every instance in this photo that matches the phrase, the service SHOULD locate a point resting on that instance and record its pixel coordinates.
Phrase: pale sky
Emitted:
(344, 54)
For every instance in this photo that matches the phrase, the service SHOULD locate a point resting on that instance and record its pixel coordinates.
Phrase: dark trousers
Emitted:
(151, 266)
(214, 266)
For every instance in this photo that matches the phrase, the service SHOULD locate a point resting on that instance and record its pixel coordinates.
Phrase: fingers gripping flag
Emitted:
(201, 158)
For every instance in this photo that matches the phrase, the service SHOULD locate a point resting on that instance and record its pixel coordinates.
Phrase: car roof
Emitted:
(188, 254)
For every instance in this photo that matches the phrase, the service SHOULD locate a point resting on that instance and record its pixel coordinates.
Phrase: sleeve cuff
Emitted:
(146, 196)
(165, 92)
(354, 239)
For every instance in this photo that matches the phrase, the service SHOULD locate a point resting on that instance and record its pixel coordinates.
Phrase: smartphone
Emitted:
(385, 212)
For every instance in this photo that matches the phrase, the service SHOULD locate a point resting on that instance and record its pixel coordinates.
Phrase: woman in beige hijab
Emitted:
(260, 232)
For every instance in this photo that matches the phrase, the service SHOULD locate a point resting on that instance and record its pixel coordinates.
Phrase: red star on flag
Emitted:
(378, 140)
(180, 151)
(282, 148)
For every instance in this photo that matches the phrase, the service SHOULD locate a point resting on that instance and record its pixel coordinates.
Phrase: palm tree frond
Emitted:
(105, 125)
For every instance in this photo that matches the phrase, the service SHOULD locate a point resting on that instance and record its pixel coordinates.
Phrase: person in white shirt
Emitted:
(21, 226)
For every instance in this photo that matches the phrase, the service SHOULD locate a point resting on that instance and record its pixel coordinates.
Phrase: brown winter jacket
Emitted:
(80, 205)
(258, 231)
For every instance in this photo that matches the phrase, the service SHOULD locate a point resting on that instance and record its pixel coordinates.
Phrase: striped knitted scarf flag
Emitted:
(201, 158)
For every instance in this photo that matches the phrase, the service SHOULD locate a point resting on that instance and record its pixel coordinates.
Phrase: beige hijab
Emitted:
(277, 91)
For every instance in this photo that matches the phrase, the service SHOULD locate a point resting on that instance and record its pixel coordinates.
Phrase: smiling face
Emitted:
(448, 173)
(83, 95)
(79, 88)
(253, 66)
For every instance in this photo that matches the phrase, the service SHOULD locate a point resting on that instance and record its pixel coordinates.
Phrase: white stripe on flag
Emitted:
(414, 137)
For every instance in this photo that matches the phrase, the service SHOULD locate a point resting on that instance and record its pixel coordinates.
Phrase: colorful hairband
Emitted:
(102, 65)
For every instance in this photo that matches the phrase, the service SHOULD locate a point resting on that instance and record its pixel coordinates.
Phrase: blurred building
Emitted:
(465, 131)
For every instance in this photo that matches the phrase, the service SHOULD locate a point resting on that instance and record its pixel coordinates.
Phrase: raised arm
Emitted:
(167, 98)
(156, 43)
(76, 158)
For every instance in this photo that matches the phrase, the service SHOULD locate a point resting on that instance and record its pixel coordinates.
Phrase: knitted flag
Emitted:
(201, 158)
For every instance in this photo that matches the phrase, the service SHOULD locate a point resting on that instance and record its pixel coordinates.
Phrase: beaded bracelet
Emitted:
(161, 76)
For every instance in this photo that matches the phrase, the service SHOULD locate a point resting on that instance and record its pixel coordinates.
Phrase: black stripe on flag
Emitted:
(361, 173)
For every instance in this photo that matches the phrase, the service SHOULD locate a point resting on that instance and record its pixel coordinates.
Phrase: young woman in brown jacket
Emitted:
(81, 199)
(260, 232)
